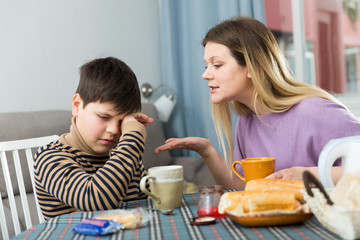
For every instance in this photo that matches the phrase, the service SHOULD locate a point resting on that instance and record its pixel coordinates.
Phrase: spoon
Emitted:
(164, 211)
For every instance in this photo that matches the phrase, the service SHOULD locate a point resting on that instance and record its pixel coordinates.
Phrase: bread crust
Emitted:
(281, 185)
(258, 201)
(128, 219)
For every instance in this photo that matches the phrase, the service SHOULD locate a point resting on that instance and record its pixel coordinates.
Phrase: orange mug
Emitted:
(255, 168)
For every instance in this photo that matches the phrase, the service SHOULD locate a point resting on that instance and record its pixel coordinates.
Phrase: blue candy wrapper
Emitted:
(97, 227)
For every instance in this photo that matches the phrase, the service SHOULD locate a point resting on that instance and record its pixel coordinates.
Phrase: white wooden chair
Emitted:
(17, 164)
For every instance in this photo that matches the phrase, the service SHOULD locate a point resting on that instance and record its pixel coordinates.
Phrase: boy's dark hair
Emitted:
(109, 80)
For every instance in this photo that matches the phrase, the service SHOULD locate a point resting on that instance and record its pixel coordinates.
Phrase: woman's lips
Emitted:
(212, 89)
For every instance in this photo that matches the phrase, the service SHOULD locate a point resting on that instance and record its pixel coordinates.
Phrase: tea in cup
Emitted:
(166, 186)
(255, 168)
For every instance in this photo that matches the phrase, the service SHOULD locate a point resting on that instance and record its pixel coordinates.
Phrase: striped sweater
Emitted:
(69, 178)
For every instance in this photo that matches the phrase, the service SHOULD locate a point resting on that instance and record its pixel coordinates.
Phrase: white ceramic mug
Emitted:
(166, 186)
(348, 149)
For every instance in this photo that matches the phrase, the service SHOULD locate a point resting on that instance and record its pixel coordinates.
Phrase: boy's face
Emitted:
(98, 123)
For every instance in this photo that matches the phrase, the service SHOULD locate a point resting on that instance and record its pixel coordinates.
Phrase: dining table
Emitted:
(176, 226)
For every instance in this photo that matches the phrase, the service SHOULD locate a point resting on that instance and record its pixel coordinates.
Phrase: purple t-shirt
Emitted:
(296, 136)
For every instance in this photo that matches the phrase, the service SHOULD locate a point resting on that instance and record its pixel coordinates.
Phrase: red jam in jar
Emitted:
(209, 201)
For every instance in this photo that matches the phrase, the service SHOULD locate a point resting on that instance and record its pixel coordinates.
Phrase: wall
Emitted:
(43, 44)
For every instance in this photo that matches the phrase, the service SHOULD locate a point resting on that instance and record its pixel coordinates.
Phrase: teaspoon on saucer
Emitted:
(164, 211)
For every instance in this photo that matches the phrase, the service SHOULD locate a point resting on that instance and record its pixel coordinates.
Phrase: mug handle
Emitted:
(236, 172)
(332, 151)
(144, 189)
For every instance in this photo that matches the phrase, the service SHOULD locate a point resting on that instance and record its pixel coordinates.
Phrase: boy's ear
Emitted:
(76, 105)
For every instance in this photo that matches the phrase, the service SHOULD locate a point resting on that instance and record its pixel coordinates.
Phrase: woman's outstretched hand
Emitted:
(197, 144)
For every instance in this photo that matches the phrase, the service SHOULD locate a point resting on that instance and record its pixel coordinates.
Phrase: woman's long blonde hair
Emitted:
(253, 45)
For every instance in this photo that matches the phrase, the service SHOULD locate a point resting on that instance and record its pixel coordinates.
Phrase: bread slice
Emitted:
(230, 201)
(265, 201)
(257, 201)
(281, 185)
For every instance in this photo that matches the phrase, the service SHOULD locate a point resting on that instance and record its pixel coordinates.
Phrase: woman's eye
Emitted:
(214, 66)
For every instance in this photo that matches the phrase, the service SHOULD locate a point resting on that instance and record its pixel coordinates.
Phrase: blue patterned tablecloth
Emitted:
(176, 226)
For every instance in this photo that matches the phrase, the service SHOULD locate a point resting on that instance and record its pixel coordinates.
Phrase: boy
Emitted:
(98, 164)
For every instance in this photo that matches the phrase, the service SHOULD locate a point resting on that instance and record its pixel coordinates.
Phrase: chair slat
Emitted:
(30, 162)
(21, 185)
(3, 224)
(10, 192)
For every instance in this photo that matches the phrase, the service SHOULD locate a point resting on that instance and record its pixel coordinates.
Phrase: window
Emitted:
(352, 69)
(332, 48)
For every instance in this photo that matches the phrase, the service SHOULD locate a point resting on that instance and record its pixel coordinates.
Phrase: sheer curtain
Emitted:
(183, 26)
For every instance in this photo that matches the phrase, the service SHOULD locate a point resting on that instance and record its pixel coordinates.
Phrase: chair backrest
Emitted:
(155, 137)
(18, 156)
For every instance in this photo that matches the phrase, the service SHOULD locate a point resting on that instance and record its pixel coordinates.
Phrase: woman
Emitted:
(278, 116)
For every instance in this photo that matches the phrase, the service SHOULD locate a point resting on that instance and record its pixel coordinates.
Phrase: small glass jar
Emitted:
(209, 201)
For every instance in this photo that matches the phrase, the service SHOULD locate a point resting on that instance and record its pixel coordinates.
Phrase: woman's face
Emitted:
(227, 79)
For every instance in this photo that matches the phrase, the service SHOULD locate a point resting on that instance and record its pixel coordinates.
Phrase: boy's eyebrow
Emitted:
(104, 113)
(108, 114)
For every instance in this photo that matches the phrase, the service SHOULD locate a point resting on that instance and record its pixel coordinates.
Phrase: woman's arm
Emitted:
(210, 156)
